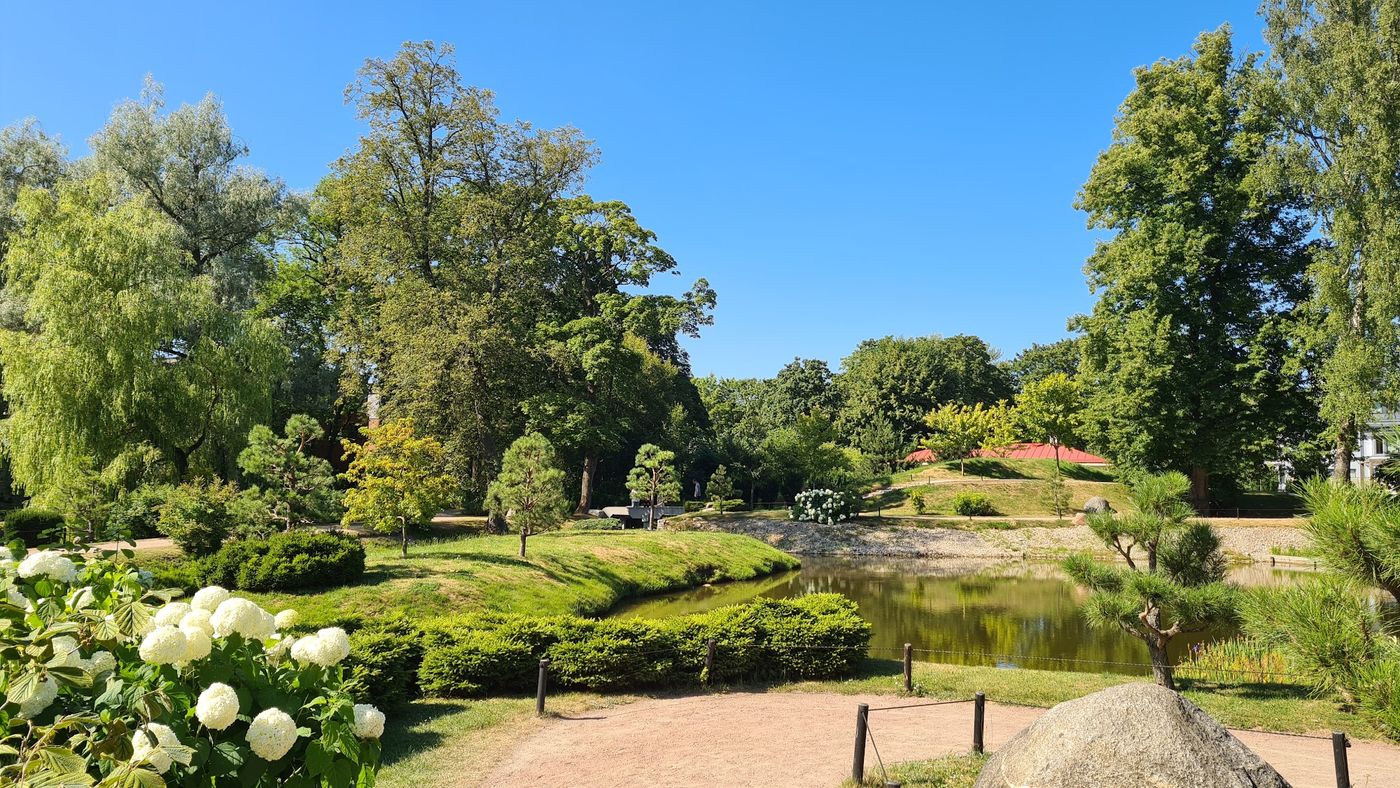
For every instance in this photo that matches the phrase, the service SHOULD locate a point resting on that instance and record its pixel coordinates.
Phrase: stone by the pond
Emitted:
(1131, 735)
(1097, 505)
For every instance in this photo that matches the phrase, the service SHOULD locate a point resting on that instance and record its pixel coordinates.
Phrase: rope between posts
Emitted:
(1280, 733)
(921, 705)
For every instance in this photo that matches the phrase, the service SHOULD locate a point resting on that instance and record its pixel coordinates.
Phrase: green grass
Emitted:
(994, 468)
(583, 573)
(950, 771)
(1013, 497)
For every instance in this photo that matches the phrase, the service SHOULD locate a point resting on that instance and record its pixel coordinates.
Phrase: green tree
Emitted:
(1040, 361)
(653, 480)
(1173, 581)
(1200, 277)
(1049, 410)
(120, 346)
(297, 487)
(29, 159)
(801, 387)
(807, 455)
(397, 479)
(902, 379)
(530, 487)
(1356, 530)
(199, 515)
(1337, 69)
(959, 431)
(720, 488)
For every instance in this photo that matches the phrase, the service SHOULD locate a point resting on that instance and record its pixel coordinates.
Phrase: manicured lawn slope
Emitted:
(583, 573)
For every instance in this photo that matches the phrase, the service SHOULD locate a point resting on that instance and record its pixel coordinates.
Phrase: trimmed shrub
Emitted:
(284, 562)
(811, 637)
(34, 526)
(384, 661)
(973, 504)
(197, 515)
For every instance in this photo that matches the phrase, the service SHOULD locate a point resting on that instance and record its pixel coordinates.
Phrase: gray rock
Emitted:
(1097, 505)
(1130, 735)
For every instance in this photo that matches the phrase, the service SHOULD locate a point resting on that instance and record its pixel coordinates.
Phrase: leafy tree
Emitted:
(720, 488)
(959, 431)
(1040, 361)
(530, 487)
(903, 379)
(199, 515)
(29, 159)
(1057, 495)
(1173, 581)
(1198, 283)
(1337, 69)
(1356, 530)
(1049, 410)
(799, 388)
(807, 454)
(121, 347)
(397, 479)
(296, 487)
(735, 410)
(653, 479)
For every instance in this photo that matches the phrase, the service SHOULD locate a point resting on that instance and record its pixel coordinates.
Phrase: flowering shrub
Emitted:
(107, 682)
(823, 506)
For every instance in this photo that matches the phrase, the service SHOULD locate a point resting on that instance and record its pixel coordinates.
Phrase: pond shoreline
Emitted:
(881, 538)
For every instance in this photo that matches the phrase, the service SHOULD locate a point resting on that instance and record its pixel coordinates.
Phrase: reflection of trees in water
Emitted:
(1025, 610)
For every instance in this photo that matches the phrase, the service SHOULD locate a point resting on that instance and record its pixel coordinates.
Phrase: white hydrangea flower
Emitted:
(81, 598)
(325, 648)
(209, 598)
(65, 649)
(103, 662)
(144, 750)
(244, 617)
(286, 618)
(164, 646)
(272, 734)
(197, 643)
(5, 554)
(217, 707)
(50, 563)
(171, 613)
(369, 721)
(198, 619)
(280, 648)
(40, 700)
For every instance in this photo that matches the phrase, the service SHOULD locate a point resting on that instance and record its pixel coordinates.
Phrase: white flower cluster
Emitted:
(234, 615)
(164, 645)
(369, 721)
(325, 648)
(827, 507)
(217, 706)
(52, 564)
(272, 734)
(144, 750)
(7, 559)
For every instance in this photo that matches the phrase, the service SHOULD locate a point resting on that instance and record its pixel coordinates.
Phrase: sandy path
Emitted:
(805, 739)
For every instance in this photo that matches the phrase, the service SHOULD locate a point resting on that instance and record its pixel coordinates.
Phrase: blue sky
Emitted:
(837, 171)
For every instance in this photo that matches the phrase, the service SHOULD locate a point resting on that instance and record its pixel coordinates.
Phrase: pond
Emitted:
(1020, 614)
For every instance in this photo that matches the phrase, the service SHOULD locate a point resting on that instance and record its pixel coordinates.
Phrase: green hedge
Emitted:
(285, 562)
(973, 504)
(811, 637)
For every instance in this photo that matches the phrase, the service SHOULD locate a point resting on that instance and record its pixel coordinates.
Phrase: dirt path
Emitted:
(805, 739)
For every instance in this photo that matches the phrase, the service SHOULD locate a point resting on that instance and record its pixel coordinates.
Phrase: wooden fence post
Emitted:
(979, 718)
(541, 686)
(858, 761)
(1339, 759)
(908, 667)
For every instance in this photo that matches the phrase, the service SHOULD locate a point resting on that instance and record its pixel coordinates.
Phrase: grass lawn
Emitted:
(565, 572)
(993, 468)
(1009, 497)
(950, 771)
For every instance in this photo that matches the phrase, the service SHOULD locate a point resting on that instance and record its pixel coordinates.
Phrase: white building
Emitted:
(1371, 447)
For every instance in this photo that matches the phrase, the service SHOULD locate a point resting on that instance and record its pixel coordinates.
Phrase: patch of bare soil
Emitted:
(803, 740)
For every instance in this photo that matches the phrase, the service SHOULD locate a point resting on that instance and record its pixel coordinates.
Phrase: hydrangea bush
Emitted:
(824, 506)
(108, 682)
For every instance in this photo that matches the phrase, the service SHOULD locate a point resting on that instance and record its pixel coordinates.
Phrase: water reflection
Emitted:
(1021, 614)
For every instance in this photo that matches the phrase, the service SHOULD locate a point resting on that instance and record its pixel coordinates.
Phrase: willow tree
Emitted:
(1171, 582)
(1337, 70)
(1199, 277)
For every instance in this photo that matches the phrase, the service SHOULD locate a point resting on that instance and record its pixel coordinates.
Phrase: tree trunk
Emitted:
(403, 537)
(496, 523)
(1200, 487)
(585, 493)
(1341, 463)
(523, 536)
(1157, 649)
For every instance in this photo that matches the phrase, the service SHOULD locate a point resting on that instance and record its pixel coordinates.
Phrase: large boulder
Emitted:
(1097, 505)
(1129, 735)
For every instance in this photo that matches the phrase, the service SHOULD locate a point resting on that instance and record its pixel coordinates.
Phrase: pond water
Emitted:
(1023, 614)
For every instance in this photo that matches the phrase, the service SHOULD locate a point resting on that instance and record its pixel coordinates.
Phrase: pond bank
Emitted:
(892, 538)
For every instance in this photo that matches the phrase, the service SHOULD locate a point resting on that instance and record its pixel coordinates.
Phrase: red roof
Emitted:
(1022, 451)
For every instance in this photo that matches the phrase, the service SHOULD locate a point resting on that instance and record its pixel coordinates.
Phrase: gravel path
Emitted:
(855, 539)
(805, 739)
